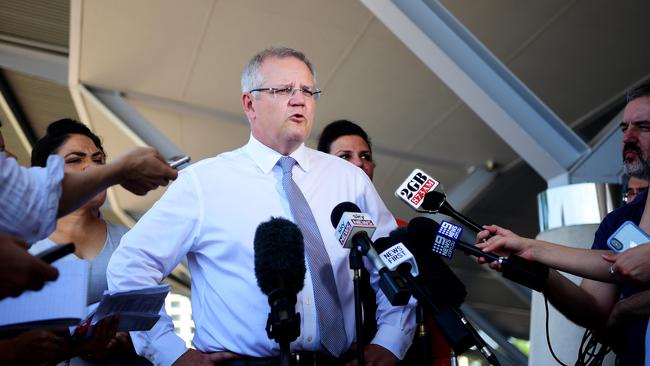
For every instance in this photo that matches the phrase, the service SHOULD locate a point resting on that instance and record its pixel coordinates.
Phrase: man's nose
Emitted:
(630, 134)
(297, 97)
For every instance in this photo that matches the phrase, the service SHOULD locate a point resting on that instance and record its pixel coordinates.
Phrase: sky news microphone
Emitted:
(443, 239)
(280, 273)
(353, 229)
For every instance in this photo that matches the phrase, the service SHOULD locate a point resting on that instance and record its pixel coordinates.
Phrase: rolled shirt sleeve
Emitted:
(29, 198)
(160, 345)
(395, 324)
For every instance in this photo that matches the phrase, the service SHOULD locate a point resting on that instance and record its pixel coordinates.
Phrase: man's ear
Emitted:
(247, 105)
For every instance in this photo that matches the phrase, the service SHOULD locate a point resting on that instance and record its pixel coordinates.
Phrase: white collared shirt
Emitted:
(210, 213)
(29, 198)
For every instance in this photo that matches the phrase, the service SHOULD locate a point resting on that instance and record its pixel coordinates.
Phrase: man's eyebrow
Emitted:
(641, 122)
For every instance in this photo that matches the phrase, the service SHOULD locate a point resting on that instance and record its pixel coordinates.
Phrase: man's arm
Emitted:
(629, 310)
(139, 171)
(587, 305)
(29, 198)
(395, 324)
(150, 251)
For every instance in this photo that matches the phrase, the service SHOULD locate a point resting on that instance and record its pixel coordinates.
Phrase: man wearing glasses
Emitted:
(211, 213)
(635, 186)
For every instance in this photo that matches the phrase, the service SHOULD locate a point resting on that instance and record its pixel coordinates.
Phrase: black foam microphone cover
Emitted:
(435, 274)
(433, 201)
(422, 230)
(279, 256)
(341, 208)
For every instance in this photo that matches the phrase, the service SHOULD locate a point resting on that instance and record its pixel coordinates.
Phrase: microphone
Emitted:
(415, 187)
(452, 327)
(353, 230)
(439, 282)
(280, 273)
(435, 274)
(427, 195)
(515, 268)
(436, 201)
(442, 239)
(396, 254)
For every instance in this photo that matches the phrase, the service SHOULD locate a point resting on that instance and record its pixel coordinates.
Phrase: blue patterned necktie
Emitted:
(328, 305)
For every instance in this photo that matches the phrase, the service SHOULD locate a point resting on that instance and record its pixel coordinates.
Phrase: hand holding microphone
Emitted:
(503, 242)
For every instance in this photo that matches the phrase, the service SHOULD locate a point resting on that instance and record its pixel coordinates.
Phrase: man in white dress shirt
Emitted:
(210, 215)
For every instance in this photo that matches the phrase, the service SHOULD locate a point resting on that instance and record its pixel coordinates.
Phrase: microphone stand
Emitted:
(480, 343)
(283, 323)
(390, 282)
(355, 264)
(424, 339)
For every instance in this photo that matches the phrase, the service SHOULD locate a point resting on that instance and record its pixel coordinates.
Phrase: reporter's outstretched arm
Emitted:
(587, 305)
(586, 263)
(139, 171)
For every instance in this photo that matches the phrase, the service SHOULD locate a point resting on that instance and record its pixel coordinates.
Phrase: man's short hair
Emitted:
(251, 77)
(641, 90)
(339, 128)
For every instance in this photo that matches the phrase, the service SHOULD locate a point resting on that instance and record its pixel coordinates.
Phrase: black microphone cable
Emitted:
(590, 353)
(548, 335)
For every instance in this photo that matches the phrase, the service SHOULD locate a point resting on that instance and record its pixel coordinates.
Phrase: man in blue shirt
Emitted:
(612, 299)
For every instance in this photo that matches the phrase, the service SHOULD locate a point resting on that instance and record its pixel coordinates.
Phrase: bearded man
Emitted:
(614, 297)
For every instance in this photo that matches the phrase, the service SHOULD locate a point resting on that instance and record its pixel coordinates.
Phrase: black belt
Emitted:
(297, 359)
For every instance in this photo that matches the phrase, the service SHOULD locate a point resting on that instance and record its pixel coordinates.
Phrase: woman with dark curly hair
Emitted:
(95, 239)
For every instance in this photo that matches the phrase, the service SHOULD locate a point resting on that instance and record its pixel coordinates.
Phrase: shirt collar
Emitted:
(266, 158)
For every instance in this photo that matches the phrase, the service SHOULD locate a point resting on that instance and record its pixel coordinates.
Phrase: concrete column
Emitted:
(569, 215)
